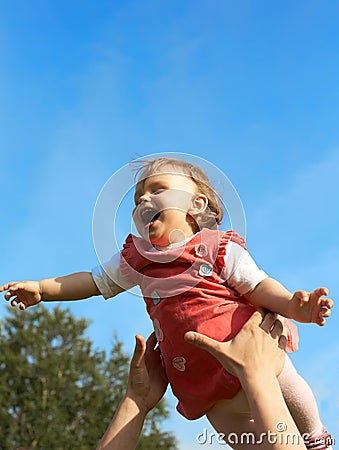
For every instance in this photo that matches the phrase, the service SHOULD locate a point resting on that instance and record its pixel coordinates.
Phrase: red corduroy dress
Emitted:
(184, 292)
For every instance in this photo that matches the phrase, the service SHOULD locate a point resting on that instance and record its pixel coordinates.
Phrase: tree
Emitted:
(56, 391)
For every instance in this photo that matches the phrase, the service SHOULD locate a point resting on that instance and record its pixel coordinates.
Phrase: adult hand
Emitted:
(147, 384)
(255, 355)
(147, 381)
(259, 345)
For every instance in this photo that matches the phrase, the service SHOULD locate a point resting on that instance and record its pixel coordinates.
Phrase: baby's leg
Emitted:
(302, 405)
(231, 418)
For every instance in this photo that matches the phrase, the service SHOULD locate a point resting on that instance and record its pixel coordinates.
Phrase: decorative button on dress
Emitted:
(184, 292)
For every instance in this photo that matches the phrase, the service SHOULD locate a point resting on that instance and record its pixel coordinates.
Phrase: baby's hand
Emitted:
(22, 293)
(311, 307)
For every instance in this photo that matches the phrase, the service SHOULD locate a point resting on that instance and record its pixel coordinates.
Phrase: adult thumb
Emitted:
(204, 342)
(139, 350)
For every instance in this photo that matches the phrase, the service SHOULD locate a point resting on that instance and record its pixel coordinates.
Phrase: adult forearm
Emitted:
(75, 286)
(275, 426)
(125, 427)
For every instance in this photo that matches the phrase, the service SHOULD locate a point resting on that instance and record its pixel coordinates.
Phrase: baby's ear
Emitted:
(199, 205)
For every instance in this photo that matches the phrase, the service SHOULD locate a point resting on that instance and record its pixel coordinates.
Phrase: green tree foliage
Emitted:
(56, 391)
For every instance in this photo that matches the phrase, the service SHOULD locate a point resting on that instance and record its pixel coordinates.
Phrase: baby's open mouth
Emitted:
(149, 216)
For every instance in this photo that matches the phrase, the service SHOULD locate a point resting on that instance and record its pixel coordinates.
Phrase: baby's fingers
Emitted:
(7, 286)
(4, 287)
(10, 293)
(325, 312)
(319, 292)
(16, 302)
(327, 303)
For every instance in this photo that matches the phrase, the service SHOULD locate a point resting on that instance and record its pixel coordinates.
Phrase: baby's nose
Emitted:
(144, 198)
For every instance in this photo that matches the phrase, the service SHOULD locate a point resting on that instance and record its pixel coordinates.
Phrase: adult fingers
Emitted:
(277, 329)
(282, 342)
(139, 351)
(151, 348)
(151, 341)
(268, 321)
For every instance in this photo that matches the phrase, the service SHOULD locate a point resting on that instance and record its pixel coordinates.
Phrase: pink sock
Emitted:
(303, 407)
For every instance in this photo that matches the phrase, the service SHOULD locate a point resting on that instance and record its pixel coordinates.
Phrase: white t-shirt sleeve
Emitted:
(108, 278)
(240, 271)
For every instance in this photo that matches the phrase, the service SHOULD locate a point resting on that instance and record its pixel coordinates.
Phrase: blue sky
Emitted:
(249, 86)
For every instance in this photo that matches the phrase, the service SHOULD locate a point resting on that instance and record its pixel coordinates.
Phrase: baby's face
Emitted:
(162, 205)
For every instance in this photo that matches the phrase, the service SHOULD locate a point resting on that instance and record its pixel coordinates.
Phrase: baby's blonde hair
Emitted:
(214, 212)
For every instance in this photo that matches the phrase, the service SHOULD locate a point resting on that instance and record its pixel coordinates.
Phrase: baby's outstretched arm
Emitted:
(75, 286)
(302, 306)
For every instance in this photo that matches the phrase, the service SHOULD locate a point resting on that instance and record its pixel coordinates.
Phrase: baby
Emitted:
(195, 277)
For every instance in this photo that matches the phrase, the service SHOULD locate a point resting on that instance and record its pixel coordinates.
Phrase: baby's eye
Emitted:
(158, 191)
